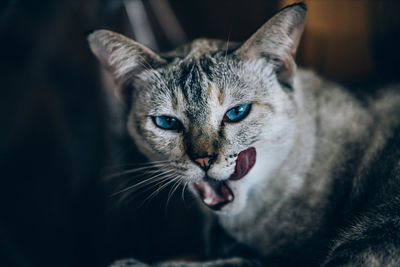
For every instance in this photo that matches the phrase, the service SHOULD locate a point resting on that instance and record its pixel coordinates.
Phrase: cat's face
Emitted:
(223, 118)
(202, 101)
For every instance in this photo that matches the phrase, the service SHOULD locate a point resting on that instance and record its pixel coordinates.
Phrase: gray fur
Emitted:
(317, 144)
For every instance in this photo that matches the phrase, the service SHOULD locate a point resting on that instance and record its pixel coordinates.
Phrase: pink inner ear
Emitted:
(245, 161)
(286, 69)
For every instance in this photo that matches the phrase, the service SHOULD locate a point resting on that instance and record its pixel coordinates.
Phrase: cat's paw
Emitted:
(128, 263)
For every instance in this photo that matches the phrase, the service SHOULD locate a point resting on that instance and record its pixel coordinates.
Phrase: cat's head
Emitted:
(221, 115)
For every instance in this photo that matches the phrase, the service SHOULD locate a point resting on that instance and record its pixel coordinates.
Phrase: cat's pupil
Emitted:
(167, 123)
(237, 113)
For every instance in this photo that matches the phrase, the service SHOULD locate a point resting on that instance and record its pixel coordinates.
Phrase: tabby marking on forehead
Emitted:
(209, 88)
(221, 97)
(174, 102)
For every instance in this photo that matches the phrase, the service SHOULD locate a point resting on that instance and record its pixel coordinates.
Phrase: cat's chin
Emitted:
(222, 197)
(233, 208)
(225, 197)
(217, 193)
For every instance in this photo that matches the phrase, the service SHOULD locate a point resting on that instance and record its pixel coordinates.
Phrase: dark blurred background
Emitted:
(57, 123)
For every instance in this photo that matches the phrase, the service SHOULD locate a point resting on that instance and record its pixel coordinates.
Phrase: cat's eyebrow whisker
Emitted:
(162, 80)
(143, 62)
(147, 66)
(227, 46)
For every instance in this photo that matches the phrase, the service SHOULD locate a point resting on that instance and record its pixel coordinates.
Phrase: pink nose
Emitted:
(204, 162)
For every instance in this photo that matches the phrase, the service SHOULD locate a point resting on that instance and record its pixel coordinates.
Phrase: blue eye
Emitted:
(167, 123)
(237, 113)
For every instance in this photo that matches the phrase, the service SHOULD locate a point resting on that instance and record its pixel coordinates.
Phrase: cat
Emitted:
(297, 170)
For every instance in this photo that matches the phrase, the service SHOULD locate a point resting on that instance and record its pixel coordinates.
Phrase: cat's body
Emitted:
(300, 170)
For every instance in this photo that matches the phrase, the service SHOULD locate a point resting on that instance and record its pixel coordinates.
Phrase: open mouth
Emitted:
(215, 193)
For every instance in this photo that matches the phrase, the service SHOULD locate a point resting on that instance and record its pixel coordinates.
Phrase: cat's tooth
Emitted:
(230, 198)
(208, 201)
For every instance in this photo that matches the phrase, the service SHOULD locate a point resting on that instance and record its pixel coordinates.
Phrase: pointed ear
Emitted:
(277, 40)
(122, 56)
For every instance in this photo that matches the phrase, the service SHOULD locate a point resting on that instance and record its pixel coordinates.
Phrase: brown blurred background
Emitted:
(57, 131)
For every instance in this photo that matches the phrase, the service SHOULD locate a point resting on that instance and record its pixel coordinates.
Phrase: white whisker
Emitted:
(145, 169)
(172, 191)
(156, 192)
(183, 190)
(143, 182)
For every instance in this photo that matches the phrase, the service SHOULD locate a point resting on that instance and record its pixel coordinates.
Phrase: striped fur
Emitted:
(318, 146)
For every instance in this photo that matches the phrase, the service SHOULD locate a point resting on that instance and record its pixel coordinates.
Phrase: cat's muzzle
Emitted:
(216, 193)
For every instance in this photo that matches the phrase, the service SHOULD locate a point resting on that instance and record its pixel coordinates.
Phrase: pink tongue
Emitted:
(215, 194)
(244, 162)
